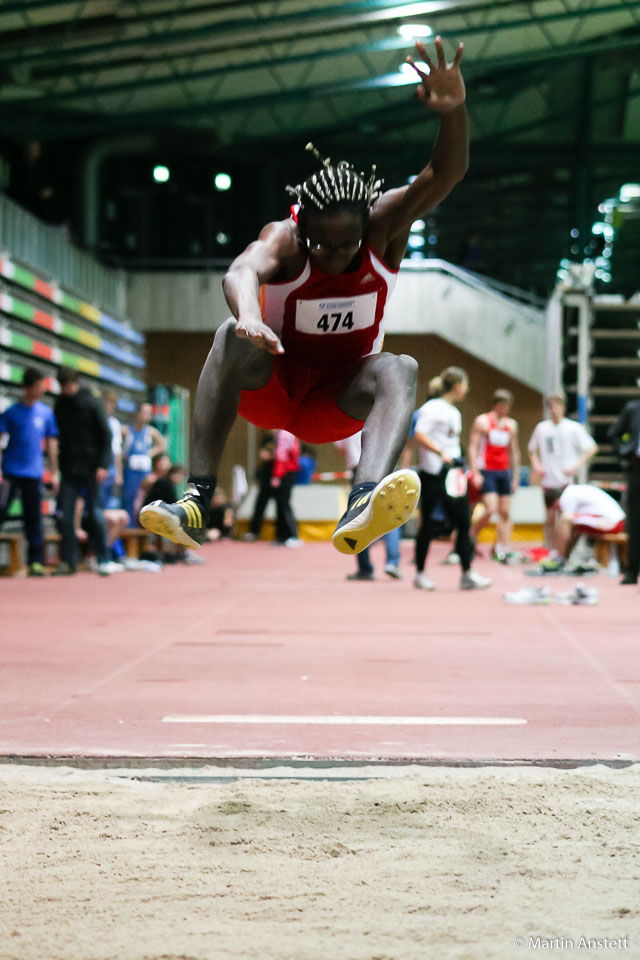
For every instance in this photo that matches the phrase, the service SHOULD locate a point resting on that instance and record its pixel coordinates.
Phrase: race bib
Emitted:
(140, 462)
(342, 315)
(499, 438)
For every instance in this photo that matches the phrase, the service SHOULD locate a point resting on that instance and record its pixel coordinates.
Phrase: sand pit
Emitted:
(421, 863)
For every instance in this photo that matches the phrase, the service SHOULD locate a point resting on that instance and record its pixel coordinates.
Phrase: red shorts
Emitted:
(302, 400)
(593, 532)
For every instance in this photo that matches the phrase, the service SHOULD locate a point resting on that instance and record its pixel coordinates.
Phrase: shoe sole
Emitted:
(527, 603)
(166, 524)
(391, 504)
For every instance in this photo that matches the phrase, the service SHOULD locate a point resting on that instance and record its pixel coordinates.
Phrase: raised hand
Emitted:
(442, 88)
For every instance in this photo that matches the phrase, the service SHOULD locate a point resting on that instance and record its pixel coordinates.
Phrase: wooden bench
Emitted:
(602, 548)
(135, 540)
(15, 566)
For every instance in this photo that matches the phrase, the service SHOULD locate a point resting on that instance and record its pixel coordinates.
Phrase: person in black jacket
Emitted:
(84, 458)
(625, 435)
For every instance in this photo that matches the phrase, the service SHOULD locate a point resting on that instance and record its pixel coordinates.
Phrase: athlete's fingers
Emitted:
(272, 341)
(422, 50)
(458, 56)
(442, 60)
(273, 347)
(268, 341)
(410, 61)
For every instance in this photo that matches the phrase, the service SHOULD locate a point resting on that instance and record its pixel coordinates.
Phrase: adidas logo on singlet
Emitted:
(368, 277)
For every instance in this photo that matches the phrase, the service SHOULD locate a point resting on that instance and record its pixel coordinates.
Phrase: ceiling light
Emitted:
(161, 173)
(415, 31)
(629, 191)
(222, 181)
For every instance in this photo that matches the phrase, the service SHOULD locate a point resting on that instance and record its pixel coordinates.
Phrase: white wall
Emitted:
(469, 313)
(175, 301)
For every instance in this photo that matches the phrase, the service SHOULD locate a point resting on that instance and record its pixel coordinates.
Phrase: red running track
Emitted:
(95, 667)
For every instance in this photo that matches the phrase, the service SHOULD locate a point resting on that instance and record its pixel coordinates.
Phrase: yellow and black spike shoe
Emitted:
(377, 512)
(182, 522)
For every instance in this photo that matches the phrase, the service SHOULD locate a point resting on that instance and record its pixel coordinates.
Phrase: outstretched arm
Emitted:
(441, 89)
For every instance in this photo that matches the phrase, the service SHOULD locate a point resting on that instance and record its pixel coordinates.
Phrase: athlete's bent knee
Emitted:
(409, 365)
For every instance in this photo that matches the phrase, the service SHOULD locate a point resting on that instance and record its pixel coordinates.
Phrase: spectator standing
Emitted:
(437, 434)
(29, 425)
(352, 449)
(112, 486)
(85, 455)
(141, 443)
(558, 448)
(625, 435)
(116, 518)
(264, 473)
(285, 468)
(494, 458)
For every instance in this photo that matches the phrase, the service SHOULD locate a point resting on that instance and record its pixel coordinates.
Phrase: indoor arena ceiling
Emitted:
(553, 88)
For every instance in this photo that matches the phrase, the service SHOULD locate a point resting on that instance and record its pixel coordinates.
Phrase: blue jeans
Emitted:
(109, 499)
(71, 488)
(130, 485)
(392, 547)
(30, 491)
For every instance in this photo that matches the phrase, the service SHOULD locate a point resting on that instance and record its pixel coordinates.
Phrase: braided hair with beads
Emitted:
(336, 187)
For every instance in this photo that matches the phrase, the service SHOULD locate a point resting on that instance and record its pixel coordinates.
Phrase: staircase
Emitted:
(501, 325)
(601, 370)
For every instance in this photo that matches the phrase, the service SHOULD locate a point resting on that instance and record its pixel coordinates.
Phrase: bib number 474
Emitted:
(332, 322)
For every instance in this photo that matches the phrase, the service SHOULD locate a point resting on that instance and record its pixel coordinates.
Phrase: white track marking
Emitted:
(259, 718)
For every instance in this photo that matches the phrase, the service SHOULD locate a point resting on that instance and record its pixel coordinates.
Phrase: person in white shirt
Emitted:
(585, 509)
(437, 434)
(110, 488)
(557, 449)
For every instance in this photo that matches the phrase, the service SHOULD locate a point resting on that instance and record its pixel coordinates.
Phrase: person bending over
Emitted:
(585, 509)
(302, 349)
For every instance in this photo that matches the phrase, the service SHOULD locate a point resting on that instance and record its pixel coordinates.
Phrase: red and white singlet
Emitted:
(327, 320)
(495, 450)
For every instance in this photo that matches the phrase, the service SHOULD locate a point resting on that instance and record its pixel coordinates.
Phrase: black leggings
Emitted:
(458, 512)
(632, 505)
